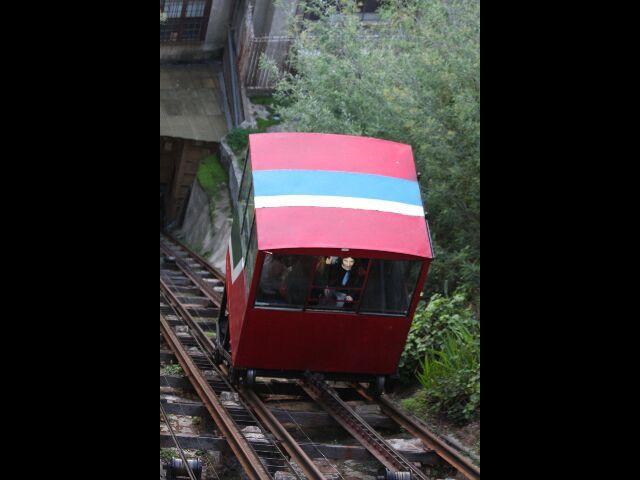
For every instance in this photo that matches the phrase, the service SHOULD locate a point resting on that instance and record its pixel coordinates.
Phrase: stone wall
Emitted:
(207, 222)
(234, 171)
(207, 225)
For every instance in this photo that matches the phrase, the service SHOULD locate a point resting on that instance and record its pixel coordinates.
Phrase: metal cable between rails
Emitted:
(305, 435)
(177, 444)
(286, 466)
(352, 422)
(201, 446)
(187, 271)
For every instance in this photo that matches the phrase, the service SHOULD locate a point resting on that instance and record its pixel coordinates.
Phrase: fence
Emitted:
(251, 48)
(276, 49)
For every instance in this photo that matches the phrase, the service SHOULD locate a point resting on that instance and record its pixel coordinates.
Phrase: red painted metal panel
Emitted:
(340, 153)
(236, 304)
(336, 228)
(321, 342)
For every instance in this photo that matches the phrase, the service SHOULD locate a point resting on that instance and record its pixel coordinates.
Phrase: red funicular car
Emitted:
(328, 253)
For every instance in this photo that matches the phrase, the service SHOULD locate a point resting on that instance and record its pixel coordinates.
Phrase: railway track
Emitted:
(186, 315)
(324, 395)
(260, 457)
(419, 430)
(180, 430)
(207, 278)
(191, 293)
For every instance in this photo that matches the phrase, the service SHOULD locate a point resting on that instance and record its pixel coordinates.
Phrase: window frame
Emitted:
(423, 263)
(248, 219)
(243, 204)
(183, 21)
(250, 259)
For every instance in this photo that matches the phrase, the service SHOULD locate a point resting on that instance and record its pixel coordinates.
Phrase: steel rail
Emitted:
(328, 399)
(267, 418)
(282, 435)
(200, 282)
(419, 430)
(188, 319)
(249, 461)
(212, 270)
(206, 347)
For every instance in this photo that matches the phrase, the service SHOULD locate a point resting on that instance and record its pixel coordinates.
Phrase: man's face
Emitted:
(347, 263)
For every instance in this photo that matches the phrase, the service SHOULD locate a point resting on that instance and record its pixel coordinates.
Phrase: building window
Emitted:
(186, 20)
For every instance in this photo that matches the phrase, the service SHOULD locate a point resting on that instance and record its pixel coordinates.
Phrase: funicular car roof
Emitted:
(326, 191)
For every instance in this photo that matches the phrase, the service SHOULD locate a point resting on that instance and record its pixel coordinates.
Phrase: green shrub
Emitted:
(238, 140)
(266, 100)
(430, 328)
(450, 375)
(263, 123)
(166, 454)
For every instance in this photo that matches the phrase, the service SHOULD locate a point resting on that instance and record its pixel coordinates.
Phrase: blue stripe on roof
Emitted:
(339, 184)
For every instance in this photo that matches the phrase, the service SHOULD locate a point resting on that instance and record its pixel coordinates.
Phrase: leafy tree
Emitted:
(413, 78)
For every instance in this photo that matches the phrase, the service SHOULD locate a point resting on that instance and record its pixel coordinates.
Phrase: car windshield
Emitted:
(345, 284)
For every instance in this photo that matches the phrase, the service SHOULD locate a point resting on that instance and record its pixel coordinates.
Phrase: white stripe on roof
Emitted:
(274, 201)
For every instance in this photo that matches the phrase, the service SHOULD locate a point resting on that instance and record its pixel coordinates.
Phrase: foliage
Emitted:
(268, 102)
(451, 375)
(172, 369)
(262, 100)
(431, 327)
(413, 78)
(264, 123)
(238, 140)
(211, 176)
(416, 404)
(166, 454)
